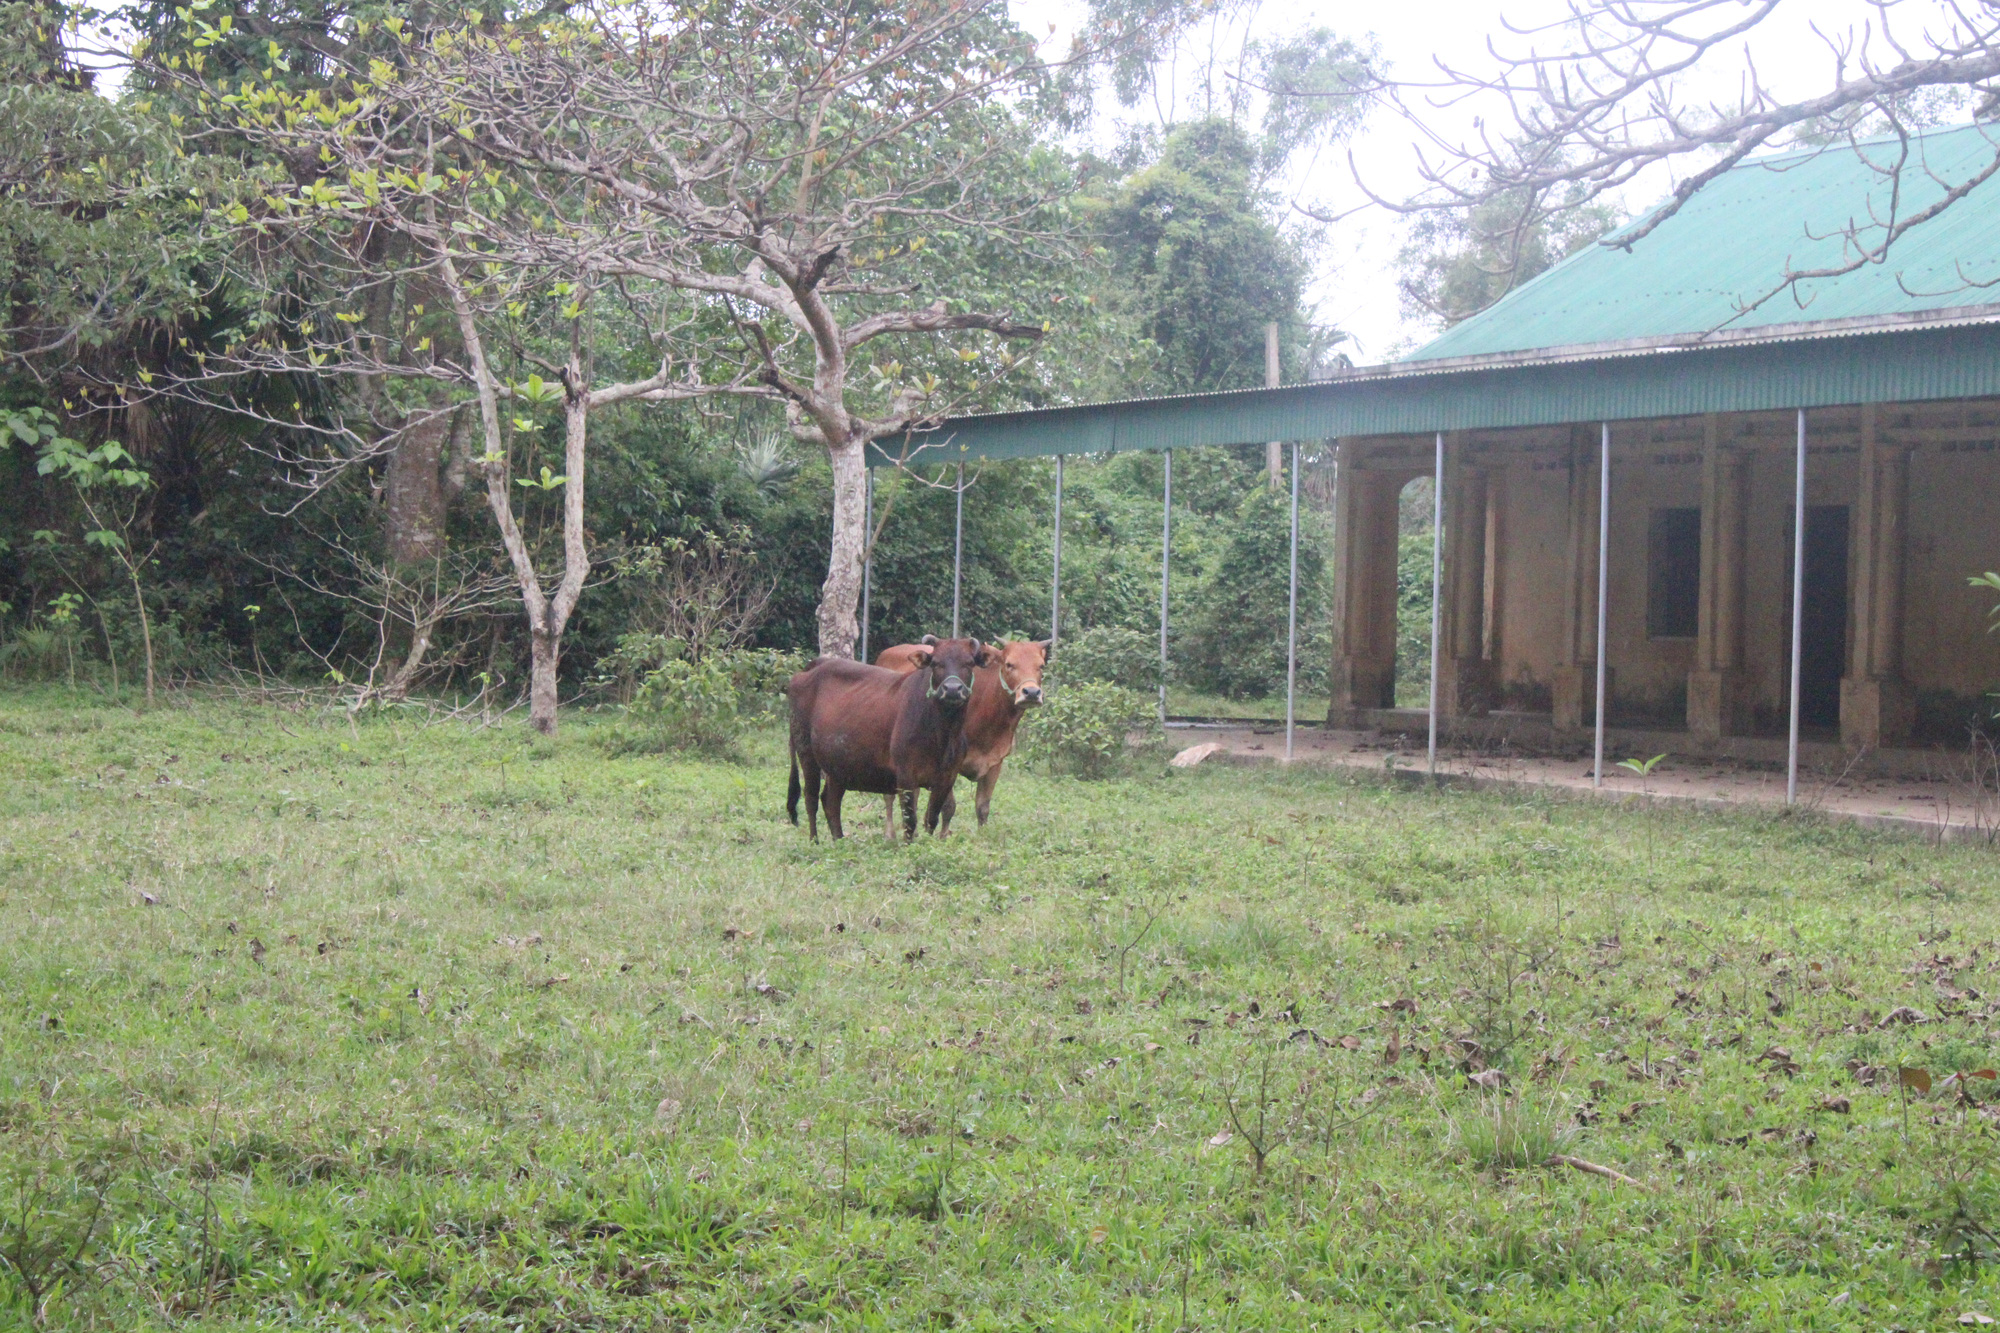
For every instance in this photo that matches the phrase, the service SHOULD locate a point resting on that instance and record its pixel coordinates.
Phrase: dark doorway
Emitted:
(1673, 574)
(1823, 627)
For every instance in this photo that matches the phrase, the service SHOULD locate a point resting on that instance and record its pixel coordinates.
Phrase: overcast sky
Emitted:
(1355, 283)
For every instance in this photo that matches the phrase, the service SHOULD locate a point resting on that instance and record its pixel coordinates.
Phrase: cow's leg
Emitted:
(909, 798)
(834, 793)
(937, 811)
(809, 774)
(983, 802)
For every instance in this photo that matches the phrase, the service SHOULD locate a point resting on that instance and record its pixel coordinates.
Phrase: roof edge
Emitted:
(1860, 326)
(1792, 331)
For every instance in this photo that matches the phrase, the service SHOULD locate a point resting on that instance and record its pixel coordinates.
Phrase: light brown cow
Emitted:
(1000, 696)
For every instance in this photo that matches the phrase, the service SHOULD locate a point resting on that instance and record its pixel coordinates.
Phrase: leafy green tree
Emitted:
(1200, 267)
(1456, 263)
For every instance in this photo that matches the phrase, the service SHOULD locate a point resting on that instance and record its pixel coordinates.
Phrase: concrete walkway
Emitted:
(1946, 805)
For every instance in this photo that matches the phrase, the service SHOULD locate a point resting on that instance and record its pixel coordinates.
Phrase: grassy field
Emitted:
(387, 1025)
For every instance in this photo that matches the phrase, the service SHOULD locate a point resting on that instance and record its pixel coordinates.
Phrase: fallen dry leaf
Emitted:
(1490, 1079)
(1837, 1105)
(1975, 1317)
(1902, 1014)
(556, 980)
(148, 899)
(1220, 1139)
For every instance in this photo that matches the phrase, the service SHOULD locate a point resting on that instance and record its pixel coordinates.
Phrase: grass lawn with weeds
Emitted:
(394, 1025)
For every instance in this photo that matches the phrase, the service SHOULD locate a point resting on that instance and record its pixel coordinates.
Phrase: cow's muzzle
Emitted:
(1028, 696)
(953, 690)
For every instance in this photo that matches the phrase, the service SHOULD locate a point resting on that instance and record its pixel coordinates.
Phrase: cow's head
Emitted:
(948, 665)
(1021, 662)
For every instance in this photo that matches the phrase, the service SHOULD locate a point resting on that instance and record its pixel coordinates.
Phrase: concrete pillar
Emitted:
(1576, 673)
(1364, 591)
(1877, 706)
(1465, 685)
(1718, 695)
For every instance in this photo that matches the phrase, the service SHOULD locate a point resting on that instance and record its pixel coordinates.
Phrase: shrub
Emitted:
(1085, 726)
(1109, 655)
(704, 704)
(1231, 638)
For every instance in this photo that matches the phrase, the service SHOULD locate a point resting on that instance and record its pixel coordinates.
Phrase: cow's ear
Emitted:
(928, 641)
(922, 656)
(990, 655)
(1048, 647)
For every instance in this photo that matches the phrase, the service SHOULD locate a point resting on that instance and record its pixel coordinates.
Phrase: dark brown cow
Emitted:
(1001, 695)
(857, 727)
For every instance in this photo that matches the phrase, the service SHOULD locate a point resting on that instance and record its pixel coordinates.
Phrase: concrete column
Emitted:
(1877, 706)
(1465, 676)
(1718, 702)
(1576, 674)
(1364, 591)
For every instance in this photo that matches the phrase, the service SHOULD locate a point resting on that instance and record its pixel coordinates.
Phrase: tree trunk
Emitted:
(544, 659)
(414, 492)
(840, 595)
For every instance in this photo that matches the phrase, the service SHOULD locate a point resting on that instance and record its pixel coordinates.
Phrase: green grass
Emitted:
(444, 1028)
(1270, 708)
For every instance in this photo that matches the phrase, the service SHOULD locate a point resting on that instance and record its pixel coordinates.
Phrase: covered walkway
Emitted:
(1933, 795)
(1673, 492)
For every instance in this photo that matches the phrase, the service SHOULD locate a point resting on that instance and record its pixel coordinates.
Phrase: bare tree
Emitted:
(762, 192)
(1621, 91)
(818, 179)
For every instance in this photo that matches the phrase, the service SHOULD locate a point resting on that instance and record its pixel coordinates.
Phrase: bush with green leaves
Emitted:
(1086, 727)
(704, 704)
(1109, 655)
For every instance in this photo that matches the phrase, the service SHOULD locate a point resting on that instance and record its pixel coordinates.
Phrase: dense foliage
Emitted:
(294, 402)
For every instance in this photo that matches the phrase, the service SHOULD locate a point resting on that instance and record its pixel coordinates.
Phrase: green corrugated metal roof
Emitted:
(1737, 238)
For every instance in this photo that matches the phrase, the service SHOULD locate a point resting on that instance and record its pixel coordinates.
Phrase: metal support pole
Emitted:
(1798, 610)
(1055, 582)
(1274, 452)
(1437, 600)
(867, 553)
(957, 547)
(1292, 615)
(1166, 561)
(1603, 590)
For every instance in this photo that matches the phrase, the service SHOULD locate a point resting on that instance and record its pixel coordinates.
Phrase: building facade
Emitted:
(1902, 506)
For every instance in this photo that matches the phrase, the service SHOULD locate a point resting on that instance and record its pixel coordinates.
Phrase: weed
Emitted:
(1509, 1133)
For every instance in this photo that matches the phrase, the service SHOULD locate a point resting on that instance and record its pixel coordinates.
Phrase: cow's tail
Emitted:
(792, 791)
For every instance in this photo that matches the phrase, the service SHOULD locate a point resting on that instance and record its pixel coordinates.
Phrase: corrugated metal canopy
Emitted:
(1611, 336)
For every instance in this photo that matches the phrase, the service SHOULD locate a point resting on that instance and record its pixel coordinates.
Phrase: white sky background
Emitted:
(1354, 284)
